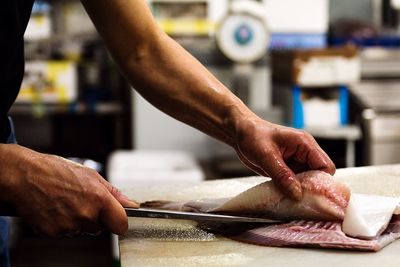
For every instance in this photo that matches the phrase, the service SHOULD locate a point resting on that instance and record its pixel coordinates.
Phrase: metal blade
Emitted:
(170, 214)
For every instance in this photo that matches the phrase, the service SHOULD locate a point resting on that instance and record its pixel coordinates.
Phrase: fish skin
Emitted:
(318, 234)
(315, 220)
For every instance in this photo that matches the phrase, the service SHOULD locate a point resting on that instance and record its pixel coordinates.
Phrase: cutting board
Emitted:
(160, 242)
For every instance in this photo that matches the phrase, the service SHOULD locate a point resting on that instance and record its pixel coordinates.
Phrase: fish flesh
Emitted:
(324, 198)
(314, 221)
(367, 216)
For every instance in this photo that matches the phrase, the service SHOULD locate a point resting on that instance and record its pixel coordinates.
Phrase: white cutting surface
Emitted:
(158, 242)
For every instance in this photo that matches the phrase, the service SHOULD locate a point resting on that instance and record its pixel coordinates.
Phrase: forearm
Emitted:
(178, 84)
(8, 178)
(172, 80)
(163, 72)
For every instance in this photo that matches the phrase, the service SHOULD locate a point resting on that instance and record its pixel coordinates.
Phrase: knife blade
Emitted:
(195, 216)
(170, 214)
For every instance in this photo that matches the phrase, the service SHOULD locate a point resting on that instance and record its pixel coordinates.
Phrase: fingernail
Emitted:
(131, 203)
(135, 205)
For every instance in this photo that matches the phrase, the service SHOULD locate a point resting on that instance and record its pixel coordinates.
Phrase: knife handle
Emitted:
(7, 210)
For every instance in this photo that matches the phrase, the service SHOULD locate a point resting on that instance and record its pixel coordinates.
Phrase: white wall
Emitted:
(156, 130)
(288, 16)
(356, 9)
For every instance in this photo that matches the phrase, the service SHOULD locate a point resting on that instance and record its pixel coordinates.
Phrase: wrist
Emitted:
(239, 117)
(10, 170)
(4, 176)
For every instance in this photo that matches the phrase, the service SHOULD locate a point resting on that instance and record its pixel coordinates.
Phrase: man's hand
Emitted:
(59, 197)
(280, 152)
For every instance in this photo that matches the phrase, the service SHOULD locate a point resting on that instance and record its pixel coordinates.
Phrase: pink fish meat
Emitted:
(324, 198)
(315, 220)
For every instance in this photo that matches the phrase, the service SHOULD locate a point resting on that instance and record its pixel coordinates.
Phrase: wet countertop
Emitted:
(160, 242)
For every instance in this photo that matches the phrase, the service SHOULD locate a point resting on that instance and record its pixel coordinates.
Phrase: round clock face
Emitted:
(243, 38)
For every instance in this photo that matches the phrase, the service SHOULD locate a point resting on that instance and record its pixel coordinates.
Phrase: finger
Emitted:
(328, 165)
(117, 194)
(287, 183)
(282, 176)
(310, 153)
(113, 215)
(318, 159)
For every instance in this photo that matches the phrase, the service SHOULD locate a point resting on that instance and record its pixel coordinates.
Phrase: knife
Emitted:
(170, 214)
(195, 216)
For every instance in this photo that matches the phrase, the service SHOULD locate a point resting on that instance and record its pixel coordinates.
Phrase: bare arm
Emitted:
(57, 196)
(172, 80)
(162, 71)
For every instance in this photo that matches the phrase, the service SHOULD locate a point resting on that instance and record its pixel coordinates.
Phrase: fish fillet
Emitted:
(324, 198)
(316, 220)
(367, 216)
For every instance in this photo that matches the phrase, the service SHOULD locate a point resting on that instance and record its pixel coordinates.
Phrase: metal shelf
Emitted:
(79, 108)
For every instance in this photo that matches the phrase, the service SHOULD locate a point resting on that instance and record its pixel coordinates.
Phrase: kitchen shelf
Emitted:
(79, 108)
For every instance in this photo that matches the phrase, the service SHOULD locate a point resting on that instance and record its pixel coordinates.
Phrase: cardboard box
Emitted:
(317, 67)
(49, 82)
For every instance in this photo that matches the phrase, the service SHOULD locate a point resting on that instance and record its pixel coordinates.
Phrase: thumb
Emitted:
(283, 177)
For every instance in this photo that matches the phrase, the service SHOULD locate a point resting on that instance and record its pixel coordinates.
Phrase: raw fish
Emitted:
(316, 220)
(367, 216)
(324, 198)
(316, 234)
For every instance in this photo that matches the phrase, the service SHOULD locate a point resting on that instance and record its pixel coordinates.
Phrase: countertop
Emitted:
(159, 242)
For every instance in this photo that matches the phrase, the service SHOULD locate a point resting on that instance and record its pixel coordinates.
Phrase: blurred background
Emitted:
(329, 67)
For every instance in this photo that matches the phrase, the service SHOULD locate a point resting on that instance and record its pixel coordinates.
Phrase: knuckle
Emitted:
(89, 173)
(282, 175)
(97, 193)
(266, 152)
(92, 172)
(88, 215)
(115, 191)
(307, 140)
(304, 135)
(93, 200)
(311, 138)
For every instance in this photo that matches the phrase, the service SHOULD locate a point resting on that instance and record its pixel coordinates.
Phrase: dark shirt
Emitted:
(14, 17)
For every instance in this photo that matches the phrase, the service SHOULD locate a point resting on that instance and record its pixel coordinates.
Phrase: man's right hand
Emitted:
(59, 197)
